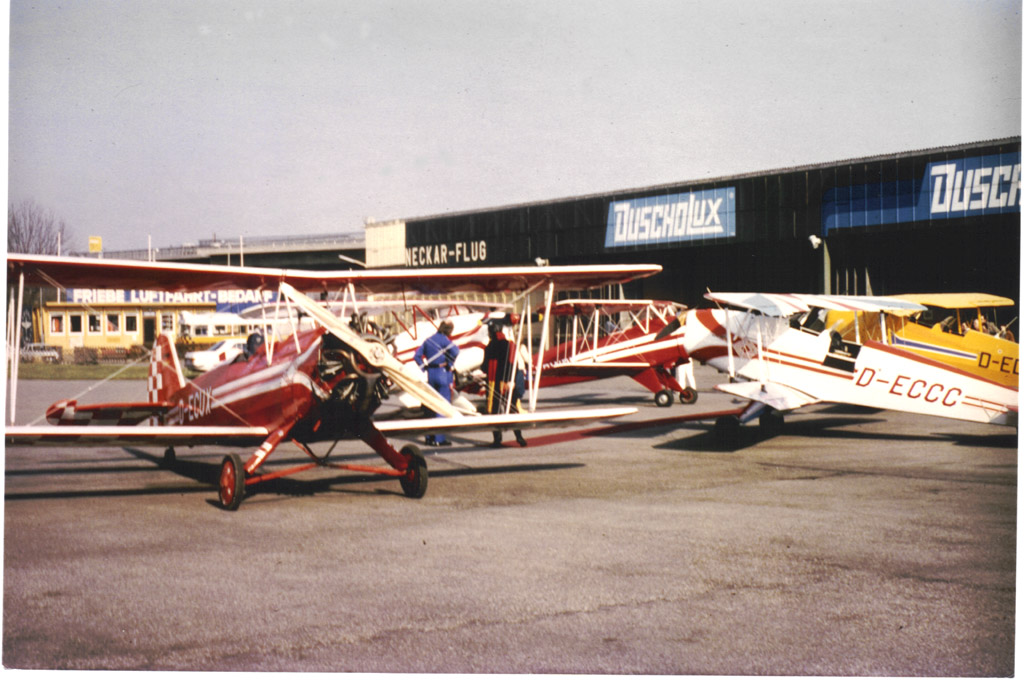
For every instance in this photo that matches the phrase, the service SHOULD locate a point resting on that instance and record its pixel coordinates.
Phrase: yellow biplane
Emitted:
(957, 329)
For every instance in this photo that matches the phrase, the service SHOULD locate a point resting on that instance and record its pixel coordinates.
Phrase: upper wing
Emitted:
(64, 272)
(577, 306)
(783, 305)
(954, 301)
(574, 306)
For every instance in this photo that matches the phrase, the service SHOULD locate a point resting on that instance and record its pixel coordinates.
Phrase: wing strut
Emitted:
(728, 346)
(517, 339)
(548, 299)
(16, 351)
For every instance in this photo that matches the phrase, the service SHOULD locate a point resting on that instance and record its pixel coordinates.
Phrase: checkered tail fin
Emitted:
(165, 377)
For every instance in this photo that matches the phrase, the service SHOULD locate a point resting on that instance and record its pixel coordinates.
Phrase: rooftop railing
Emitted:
(210, 247)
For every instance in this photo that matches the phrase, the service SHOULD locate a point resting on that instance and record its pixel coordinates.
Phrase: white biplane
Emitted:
(780, 356)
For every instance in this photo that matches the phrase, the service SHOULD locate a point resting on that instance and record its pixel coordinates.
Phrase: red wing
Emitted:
(183, 277)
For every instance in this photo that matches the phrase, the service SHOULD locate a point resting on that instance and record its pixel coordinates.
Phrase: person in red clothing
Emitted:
(498, 363)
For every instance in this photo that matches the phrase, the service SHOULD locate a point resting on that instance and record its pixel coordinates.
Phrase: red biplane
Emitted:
(320, 384)
(591, 339)
(603, 338)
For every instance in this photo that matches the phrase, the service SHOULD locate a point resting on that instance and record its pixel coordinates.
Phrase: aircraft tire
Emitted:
(169, 458)
(232, 482)
(414, 482)
(663, 398)
(688, 396)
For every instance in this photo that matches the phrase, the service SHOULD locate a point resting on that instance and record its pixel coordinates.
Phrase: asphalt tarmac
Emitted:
(857, 542)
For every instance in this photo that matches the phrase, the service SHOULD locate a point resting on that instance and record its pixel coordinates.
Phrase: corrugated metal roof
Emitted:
(723, 178)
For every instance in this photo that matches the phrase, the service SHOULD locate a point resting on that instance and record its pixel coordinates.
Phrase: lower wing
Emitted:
(136, 435)
(494, 422)
(255, 435)
(777, 396)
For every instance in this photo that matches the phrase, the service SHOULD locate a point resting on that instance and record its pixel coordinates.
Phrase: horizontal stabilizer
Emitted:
(776, 396)
(70, 413)
(495, 422)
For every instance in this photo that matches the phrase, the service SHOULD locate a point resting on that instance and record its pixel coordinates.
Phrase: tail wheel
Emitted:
(232, 482)
(663, 398)
(414, 482)
(688, 396)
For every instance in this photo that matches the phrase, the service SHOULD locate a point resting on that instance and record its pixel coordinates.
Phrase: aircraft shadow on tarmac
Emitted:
(208, 474)
(833, 428)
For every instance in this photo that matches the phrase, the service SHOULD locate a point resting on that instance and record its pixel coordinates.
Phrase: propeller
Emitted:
(671, 327)
(375, 352)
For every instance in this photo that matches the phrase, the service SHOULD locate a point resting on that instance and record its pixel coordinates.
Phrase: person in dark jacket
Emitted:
(498, 364)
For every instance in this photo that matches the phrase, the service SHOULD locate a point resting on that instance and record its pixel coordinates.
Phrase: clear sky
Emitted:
(188, 119)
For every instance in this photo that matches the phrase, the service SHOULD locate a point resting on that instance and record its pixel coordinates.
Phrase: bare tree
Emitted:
(33, 229)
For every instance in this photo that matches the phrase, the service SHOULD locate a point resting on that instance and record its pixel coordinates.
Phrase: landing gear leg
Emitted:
(408, 460)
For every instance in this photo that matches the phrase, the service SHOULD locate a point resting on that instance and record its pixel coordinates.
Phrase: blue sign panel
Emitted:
(980, 185)
(672, 218)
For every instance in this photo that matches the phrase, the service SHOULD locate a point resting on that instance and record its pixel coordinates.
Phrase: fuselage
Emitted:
(828, 368)
(623, 351)
(256, 391)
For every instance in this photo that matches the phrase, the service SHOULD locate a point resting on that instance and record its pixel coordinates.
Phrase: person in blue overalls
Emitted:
(437, 356)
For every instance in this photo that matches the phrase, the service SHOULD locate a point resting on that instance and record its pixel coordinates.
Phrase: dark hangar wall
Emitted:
(938, 220)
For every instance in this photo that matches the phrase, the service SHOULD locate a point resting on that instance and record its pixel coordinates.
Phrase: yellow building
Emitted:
(111, 325)
(115, 321)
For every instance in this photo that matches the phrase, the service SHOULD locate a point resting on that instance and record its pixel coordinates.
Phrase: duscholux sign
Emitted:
(672, 218)
(981, 185)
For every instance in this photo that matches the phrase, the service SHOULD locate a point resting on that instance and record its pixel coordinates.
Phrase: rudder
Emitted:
(165, 377)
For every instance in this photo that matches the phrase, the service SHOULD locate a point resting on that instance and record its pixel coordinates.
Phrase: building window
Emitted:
(75, 323)
(94, 324)
(57, 324)
(167, 323)
(131, 324)
(113, 323)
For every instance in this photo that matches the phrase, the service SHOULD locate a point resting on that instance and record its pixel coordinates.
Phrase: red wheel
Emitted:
(414, 482)
(232, 482)
(688, 396)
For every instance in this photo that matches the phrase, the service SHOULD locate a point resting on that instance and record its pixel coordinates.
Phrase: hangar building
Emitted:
(937, 220)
